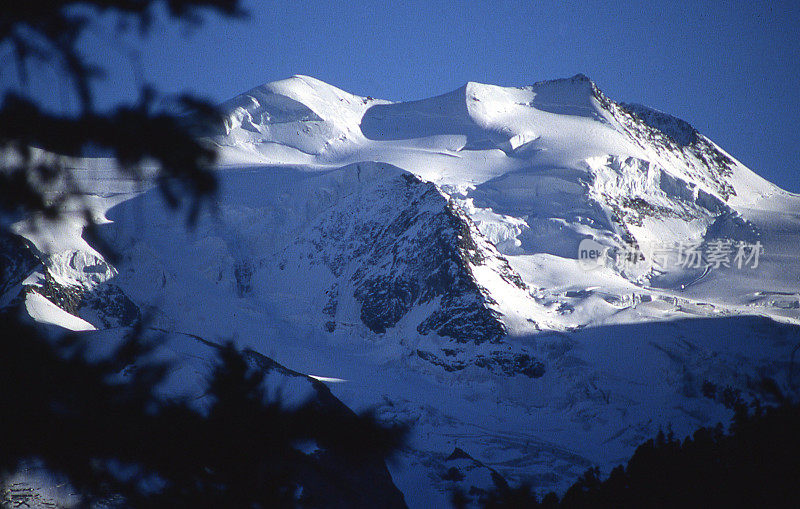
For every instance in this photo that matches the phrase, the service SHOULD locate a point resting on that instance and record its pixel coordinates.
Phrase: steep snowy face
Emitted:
(558, 160)
(396, 254)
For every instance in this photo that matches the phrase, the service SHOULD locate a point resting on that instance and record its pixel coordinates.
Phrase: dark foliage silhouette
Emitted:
(47, 32)
(96, 422)
(755, 464)
(115, 441)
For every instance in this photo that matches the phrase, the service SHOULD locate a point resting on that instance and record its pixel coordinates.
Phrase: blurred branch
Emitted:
(48, 32)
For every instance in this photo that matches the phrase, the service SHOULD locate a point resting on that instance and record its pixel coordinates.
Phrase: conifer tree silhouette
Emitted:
(109, 436)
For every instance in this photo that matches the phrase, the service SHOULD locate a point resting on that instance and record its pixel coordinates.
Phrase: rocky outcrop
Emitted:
(104, 305)
(405, 247)
(18, 258)
(673, 139)
(409, 253)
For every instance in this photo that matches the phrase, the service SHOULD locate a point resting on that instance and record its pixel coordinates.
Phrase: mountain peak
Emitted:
(564, 122)
(579, 79)
(470, 263)
(314, 94)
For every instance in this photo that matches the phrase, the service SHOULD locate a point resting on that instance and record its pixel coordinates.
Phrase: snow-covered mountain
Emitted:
(536, 278)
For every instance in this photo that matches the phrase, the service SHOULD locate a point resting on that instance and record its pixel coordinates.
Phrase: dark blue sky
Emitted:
(729, 68)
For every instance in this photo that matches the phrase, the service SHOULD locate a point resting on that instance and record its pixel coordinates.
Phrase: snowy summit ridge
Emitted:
(431, 255)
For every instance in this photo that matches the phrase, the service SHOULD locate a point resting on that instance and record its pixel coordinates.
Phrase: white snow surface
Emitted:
(533, 171)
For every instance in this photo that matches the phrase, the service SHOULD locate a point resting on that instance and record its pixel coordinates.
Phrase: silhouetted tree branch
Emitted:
(79, 417)
(47, 32)
(112, 438)
(755, 464)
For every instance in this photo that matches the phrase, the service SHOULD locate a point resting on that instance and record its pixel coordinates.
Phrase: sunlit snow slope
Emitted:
(427, 253)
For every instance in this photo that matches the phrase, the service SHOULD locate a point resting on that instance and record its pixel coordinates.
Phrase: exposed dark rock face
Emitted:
(330, 308)
(66, 297)
(437, 262)
(403, 246)
(497, 361)
(508, 365)
(104, 305)
(673, 138)
(411, 247)
(18, 258)
(678, 130)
